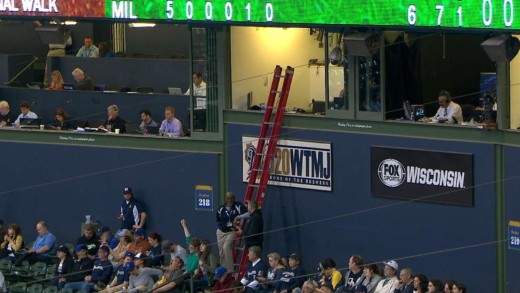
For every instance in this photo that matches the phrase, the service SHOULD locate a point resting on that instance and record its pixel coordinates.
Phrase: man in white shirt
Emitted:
(449, 111)
(25, 108)
(389, 283)
(199, 86)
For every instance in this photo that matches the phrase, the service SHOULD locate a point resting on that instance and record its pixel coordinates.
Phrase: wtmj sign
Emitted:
(296, 163)
(442, 177)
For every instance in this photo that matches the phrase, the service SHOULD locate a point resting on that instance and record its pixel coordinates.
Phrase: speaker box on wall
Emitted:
(362, 44)
(501, 48)
(53, 34)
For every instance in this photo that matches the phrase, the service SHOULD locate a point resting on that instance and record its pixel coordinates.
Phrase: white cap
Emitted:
(392, 263)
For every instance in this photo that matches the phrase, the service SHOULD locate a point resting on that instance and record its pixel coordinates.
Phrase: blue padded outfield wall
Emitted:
(512, 213)
(431, 238)
(61, 184)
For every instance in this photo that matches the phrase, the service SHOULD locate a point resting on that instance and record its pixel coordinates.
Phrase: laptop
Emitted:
(174, 91)
(150, 130)
(33, 86)
(153, 129)
(30, 122)
(68, 86)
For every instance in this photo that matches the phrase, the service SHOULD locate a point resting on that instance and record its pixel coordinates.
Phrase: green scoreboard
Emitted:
(466, 14)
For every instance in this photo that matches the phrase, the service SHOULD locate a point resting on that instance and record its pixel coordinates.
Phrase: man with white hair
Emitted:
(7, 117)
(389, 283)
(83, 82)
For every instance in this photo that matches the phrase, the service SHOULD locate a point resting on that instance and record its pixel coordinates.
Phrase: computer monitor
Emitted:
(413, 112)
(418, 112)
(318, 107)
(175, 91)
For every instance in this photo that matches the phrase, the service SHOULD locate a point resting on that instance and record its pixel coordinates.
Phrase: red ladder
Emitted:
(265, 151)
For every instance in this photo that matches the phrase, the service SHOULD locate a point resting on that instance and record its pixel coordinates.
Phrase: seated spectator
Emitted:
(82, 265)
(2, 230)
(154, 254)
(83, 82)
(389, 283)
(173, 279)
(448, 286)
(64, 268)
(175, 249)
(458, 288)
(104, 50)
(106, 237)
(140, 260)
(25, 108)
(61, 120)
(90, 239)
(117, 255)
(208, 262)
(330, 275)
(89, 49)
(13, 242)
(139, 245)
(7, 117)
(56, 80)
(146, 121)
(101, 273)
(113, 121)
(2, 283)
(353, 274)
(435, 286)
(255, 268)
(170, 126)
(139, 282)
(271, 282)
(420, 284)
(120, 281)
(225, 282)
(294, 276)
(406, 284)
(308, 286)
(43, 246)
(371, 277)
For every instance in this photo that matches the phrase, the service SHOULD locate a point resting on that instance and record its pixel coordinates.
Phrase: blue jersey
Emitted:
(131, 212)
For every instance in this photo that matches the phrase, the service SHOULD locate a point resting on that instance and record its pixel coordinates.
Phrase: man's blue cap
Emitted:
(219, 272)
(139, 232)
(130, 266)
(80, 247)
(127, 190)
(361, 289)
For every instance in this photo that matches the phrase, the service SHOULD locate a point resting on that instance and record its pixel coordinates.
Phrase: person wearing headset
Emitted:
(449, 111)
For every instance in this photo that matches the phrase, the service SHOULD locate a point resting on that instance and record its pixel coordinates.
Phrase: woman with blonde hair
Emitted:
(276, 267)
(56, 80)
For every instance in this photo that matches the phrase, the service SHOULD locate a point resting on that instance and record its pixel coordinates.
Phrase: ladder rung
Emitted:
(258, 170)
(254, 185)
